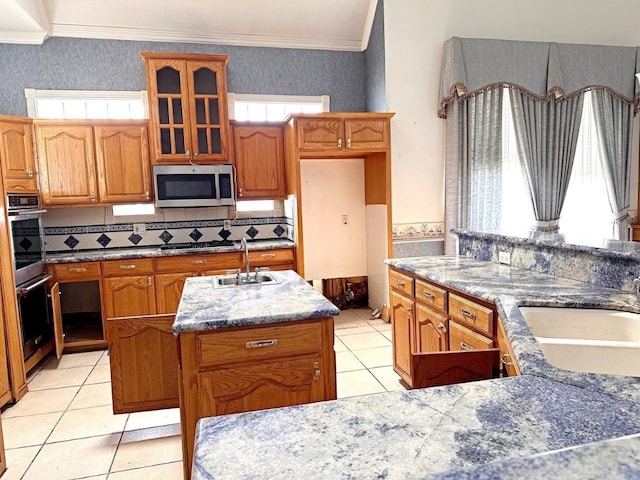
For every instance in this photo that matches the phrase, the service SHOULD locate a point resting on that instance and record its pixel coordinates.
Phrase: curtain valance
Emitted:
(472, 65)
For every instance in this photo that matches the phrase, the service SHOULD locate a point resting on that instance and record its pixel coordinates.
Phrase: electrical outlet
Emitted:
(139, 228)
(504, 257)
(226, 224)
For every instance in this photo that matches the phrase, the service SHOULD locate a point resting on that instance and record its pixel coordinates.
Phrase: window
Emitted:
(585, 213)
(81, 104)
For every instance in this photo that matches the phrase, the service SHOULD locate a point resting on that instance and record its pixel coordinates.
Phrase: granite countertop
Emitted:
(156, 251)
(204, 307)
(546, 423)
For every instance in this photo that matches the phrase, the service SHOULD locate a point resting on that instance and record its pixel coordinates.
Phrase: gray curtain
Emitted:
(614, 119)
(546, 134)
(473, 167)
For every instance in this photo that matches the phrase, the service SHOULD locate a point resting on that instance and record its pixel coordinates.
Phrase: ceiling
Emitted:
(315, 24)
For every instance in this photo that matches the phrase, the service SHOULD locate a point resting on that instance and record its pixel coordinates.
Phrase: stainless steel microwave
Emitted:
(193, 185)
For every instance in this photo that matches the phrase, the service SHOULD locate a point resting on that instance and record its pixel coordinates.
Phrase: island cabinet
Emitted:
(188, 107)
(442, 336)
(242, 369)
(89, 163)
(16, 155)
(258, 151)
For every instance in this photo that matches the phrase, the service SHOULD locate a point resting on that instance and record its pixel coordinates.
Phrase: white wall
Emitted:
(415, 31)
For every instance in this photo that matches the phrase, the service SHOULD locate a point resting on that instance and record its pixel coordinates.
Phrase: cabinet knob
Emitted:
(149, 281)
(442, 327)
(348, 143)
(316, 371)
(339, 143)
(93, 197)
(30, 172)
(239, 192)
(146, 194)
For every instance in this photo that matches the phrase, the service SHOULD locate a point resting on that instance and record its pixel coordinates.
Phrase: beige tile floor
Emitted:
(64, 428)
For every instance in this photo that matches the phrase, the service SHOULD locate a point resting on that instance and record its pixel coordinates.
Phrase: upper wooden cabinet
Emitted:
(259, 158)
(188, 107)
(16, 155)
(83, 163)
(343, 133)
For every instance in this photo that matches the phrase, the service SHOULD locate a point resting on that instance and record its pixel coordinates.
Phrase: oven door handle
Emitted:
(24, 290)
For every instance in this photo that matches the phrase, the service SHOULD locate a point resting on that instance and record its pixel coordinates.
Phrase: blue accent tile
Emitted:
(25, 244)
(71, 242)
(224, 234)
(196, 235)
(165, 237)
(278, 230)
(252, 232)
(135, 238)
(103, 240)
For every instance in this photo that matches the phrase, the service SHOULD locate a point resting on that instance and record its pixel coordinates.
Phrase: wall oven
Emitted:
(27, 248)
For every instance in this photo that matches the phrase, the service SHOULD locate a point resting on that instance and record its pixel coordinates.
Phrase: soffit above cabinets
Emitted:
(326, 24)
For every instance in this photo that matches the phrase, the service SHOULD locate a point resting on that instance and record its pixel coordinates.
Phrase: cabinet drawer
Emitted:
(258, 343)
(198, 263)
(461, 338)
(471, 313)
(401, 282)
(263, 258)
(76, 271)
(431, 295)
(118, 268)
(21, 185)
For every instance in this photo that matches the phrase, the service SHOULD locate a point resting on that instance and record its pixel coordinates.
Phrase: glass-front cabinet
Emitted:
(188, 107)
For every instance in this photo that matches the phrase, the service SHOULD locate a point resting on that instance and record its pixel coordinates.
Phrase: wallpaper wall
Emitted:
(89, 64)
(375, 85)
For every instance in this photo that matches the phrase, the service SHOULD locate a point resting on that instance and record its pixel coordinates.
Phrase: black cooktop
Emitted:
(182, 246)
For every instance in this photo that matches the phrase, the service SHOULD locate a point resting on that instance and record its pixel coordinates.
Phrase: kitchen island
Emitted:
(251, 347)
(546, 423)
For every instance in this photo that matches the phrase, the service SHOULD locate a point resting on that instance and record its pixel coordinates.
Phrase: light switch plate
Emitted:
(226, 224)
(504, 257)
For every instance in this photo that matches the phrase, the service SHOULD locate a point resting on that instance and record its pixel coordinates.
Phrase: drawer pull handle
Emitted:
(262, 343)
(442, 327)
(127, 267)
(467, 313)
(77, 269)
(504, 361)
(268, 255)
(465, 346)
(199, 262)
(316, 371)
(429, 295)
(408, 309)
(400, 283)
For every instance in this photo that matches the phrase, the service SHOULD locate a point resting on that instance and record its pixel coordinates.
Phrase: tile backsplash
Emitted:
(91, 228)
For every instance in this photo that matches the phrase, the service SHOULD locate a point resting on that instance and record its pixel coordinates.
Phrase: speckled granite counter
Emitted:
(146, 252)
(542, 424)
(203, 307)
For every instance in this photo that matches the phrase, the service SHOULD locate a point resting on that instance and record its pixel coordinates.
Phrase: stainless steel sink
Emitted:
(239, 280)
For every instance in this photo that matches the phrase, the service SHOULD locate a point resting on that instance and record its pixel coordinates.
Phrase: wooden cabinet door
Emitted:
(271, 384)
(122, 160)
(3, 458)
(58, 330)
(128, 296)
(16, 155)
(430, 330)
(320, 134)
(188, 107)
(367, 134)
(138, 346)
(209, 120)
(5, 387)
(169, 290)
(402, 325)
(66, 161)
(259, 159)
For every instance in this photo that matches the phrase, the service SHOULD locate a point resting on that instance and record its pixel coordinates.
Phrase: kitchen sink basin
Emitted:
(240, 280)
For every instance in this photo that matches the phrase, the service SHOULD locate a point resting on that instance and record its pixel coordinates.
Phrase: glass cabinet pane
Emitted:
(214, 116)
(163, 110)
(168, 80)
(177, 110)
(205, 82)
(201, 115)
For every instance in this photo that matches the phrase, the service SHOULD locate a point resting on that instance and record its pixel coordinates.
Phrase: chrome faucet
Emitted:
(636, 285)
(246, 255)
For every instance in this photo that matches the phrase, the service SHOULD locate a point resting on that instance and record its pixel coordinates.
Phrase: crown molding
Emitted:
(138, 34)
(28, 38)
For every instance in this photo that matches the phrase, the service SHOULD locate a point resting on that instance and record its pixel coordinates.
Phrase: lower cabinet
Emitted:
(441, 336)
(251, 368)
(144, 368)
(3, 458)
